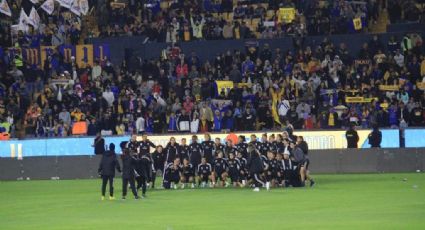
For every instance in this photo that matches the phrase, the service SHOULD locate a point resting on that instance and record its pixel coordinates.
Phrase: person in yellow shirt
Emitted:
(423, 66)
(77, 115)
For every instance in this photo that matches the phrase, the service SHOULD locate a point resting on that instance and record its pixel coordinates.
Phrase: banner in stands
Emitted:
(286, 15)
(224, 86)
(389, 87)
(83, 145)
(83, 54)
(359, 99)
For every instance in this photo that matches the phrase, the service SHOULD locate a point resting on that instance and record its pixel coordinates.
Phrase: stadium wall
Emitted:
(322, 161)
(128, 48)
(76, 146)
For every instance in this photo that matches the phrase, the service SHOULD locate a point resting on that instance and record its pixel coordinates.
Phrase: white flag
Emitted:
(34, 18)
(23, 21)
(4, 8)
(65, 3)
(84, 6)
(34, 1)
(48, 6)
(75, 7)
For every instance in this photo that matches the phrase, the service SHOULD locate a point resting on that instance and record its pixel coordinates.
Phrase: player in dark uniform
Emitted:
(220, 169)
(233, 169)
(290, 175)
(172, 174)
(242, 146)
(171, 151)
(218, 146)
(133, 145)
(255, 142)
(272, 170)
(229, 148)
(304, 147)
(188, 174)
(129, 164)
(158, 158)
(183, 150)
(280, 181)
(145, 155)
(195, 151)
(204, 173)
(243, 171)
(208, 147)
(278, 144)
(255, 166)
(265, 145)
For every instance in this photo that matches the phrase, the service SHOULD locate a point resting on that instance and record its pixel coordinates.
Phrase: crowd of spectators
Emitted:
(177, 92)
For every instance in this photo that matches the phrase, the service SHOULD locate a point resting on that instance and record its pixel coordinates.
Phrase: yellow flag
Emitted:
(357, 23)
(286, 15)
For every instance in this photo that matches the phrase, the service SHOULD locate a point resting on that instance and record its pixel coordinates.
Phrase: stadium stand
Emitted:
(322, 86)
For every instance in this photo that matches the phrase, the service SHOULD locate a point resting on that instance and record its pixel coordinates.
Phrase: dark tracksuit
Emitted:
(144, 152)
(107, 167)
(171, 175)
(195, 153)
(352, 138)
(375, 138)
(158, 164)
(208, 147)
(129, 165)
(183, 152)
(143, 168)
(255, 167)
(242, 148)
(172, 152)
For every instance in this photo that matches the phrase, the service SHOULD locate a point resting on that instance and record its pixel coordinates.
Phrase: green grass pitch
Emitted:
(354, 201)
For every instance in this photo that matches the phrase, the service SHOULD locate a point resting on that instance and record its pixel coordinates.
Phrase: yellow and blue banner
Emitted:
(84, 55)
(31, 56)
(102, 52)
(67, 52)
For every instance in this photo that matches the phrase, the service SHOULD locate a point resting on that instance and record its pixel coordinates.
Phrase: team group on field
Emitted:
(273, 161)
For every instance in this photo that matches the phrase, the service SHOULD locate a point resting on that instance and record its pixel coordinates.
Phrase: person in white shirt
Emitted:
(399, 58)
(96, 71)
(283, 108)
(140, 125)
(109, 96)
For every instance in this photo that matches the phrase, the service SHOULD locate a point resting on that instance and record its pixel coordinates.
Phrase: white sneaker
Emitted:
(183, 186)
(193, 185)
(203, 185)
(268, 186)
(175, 186)
(256, 189)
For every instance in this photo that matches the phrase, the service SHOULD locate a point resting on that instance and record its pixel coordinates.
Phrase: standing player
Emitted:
(158, 158)
(188, 174)
(230, 148)
(204, 173)
(129, 164)
(298, 158)
(234, 169)
(243, 171)
(145, 156)
(183, 150)
(255, 166)
(220, 169)
(208, 147)
(242, 146)
(133, 145)
(172, 174)
(256, 144)
(304, 146)
(106, 170)
(171, 150)
(218, 146)
(195, 151)
(265, 145)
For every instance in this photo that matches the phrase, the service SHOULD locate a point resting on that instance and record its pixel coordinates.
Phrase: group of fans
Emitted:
(272, 161)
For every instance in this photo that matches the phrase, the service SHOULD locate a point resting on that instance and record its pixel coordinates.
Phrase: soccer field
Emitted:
(356, 201)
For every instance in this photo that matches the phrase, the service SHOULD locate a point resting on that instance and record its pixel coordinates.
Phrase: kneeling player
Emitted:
(187, 174)
(234, 167)
(204, 173)
(220, 168)
(172, 174)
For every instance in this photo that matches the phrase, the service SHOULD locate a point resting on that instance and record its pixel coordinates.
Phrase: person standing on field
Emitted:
(352, 137)
(106, 170)
(375, 137)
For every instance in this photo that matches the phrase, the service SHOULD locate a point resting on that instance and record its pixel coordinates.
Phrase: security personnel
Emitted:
(352, 137)
(375, 137)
